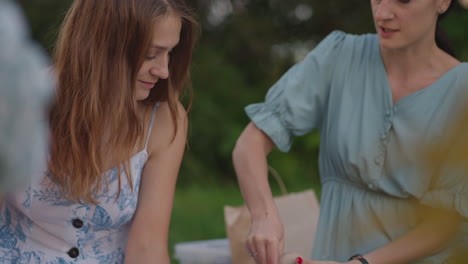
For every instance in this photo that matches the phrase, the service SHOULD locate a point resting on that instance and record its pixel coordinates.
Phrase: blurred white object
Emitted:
(25, 86)
(215, 251)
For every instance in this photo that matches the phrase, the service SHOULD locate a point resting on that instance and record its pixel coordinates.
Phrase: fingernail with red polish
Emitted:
(299, 260)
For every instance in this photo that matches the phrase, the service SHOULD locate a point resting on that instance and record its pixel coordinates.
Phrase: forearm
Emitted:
(426, 239)
(251, 167)
(149, 252)
(148, 236)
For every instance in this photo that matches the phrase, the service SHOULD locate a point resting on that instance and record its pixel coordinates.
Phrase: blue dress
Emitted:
(373, 190)
(38, 226)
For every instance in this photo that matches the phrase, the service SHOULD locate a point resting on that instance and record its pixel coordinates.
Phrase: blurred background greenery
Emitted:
(244, 48)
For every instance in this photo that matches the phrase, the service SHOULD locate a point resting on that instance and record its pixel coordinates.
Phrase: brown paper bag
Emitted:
(299, 213)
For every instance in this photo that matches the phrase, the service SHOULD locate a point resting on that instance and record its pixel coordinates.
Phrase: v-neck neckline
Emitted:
(388, 88)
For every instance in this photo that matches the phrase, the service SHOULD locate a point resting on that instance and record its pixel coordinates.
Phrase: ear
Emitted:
(443, 5)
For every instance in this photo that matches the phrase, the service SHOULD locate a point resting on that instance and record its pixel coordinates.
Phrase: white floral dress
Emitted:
(38, 226)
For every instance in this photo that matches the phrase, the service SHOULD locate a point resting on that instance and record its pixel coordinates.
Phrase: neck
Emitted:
(409, 61)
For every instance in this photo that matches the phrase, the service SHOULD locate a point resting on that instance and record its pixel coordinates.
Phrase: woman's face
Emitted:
(166, 34)
(405, 23)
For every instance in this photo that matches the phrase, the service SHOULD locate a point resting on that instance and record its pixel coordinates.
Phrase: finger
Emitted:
(307, 261)
(260, 249)
(250, 246)
(281, 246)
(272, 251)
(288, 258)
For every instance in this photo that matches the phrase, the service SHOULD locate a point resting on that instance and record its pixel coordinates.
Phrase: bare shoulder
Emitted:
(164, 133)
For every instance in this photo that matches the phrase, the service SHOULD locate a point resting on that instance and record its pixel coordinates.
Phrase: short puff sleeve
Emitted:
(295, 104)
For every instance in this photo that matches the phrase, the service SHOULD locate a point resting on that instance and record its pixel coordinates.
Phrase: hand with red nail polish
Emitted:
(289, 258)
(266, 239)
(294, 258)
(300, 260)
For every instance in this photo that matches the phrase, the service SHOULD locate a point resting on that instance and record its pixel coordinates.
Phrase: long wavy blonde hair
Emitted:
(100, 49)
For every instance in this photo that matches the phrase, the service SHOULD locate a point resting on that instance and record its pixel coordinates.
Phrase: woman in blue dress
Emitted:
(118, 134)
(375, 99)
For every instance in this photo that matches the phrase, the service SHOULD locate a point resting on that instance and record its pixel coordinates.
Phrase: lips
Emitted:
(388, 30)
(147, 84)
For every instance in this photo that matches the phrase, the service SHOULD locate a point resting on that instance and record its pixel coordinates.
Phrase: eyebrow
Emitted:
(161, 47)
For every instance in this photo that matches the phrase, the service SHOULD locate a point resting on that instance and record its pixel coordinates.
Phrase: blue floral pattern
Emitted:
(37, 224)
(101, 239)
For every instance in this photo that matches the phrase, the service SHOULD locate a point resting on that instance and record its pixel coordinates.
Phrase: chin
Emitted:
(390, 44)
(141, 95)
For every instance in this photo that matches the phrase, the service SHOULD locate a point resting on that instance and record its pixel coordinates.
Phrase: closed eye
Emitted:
(158, 53)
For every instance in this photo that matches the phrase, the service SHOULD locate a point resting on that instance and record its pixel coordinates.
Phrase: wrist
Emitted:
(358, 259)
(268, 212)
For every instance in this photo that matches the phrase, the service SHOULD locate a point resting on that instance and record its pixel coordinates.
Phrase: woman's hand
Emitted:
(294, 258)
(306, 261)
(265, 241)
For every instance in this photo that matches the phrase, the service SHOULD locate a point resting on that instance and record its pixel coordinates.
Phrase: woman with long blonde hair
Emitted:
(118, 133)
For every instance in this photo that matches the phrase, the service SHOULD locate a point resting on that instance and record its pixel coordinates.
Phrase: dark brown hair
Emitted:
(441, 38)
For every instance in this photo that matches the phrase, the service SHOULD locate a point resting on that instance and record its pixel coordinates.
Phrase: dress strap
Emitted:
(151, 124)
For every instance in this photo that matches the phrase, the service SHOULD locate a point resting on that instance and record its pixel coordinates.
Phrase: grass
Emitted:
(198, 213)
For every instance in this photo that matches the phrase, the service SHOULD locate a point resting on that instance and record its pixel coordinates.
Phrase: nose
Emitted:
(383, 10)
(160, 67)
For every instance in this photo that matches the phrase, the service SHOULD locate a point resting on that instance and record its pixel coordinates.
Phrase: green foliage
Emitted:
(234, 65)
(45, 17)
(456, 28)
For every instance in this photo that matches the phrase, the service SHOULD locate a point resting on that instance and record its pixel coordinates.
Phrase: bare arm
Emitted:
(266, 234)
(148, 238)
(426, 239)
